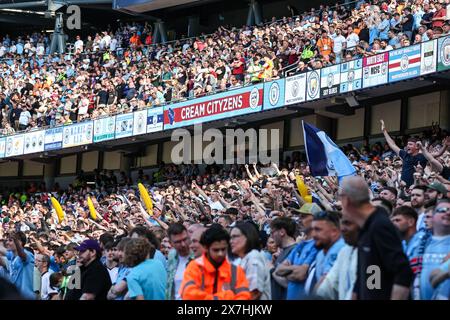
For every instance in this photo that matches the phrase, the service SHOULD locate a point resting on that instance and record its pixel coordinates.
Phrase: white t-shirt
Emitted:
(113, 273)
(182, 261)
(46, 290)
(338, 43)
(352, 40)
(79, 45)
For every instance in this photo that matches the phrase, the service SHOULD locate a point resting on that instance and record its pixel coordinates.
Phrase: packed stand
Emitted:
(122, 71)
(270, 232)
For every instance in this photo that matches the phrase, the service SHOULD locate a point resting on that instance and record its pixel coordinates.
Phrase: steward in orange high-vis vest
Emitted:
(212, 276)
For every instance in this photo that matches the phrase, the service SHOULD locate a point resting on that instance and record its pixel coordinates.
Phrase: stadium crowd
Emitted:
(240, 232)
(121, 71)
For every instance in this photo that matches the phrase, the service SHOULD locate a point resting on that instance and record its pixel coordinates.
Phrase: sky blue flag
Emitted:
(324, 156)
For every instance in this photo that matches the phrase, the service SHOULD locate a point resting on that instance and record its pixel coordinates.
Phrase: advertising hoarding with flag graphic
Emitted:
(404, 63)
(219, 106)
(351, 75)
(155, 119)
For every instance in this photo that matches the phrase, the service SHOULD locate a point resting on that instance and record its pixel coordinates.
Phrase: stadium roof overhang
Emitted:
(149, 5)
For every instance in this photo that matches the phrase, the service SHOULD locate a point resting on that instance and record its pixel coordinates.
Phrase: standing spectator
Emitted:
(95, 280)
(339, 281)
(378, 245)
(327, 237)
(436, 256)
(20, 263)
(178, 259)
(339, 44)
(42, 263)
(407, 23)
(245, 244)
(411, 157)
(283, 233)
(238, 65)
(211, 276)
(78, 45)
(147, 277)
(439, 16)
(405, 219)
(325, 44)
(352, 38)
(383, 27)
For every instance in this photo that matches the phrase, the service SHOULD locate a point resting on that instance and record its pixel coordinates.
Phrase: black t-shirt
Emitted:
(279, 292)
(103, 97)
(445, 173)
(409, 162)
(408, 25)
(380, 246)
(95, 279)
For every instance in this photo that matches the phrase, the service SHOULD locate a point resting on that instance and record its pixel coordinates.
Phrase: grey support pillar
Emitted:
(254, 13)
(58, 43)
(193, 26)
(49, 174)
(159, 32)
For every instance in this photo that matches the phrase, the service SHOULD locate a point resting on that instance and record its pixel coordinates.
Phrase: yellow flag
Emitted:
(91, 208)
(303, 189)
(146, 198)
(58, 209)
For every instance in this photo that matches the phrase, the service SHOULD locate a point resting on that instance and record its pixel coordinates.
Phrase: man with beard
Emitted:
(378, 244)
(327, 238)
(405, 219)
(418, 199)
(411, 156)
(95, 280)
(389, 194)
(338, 283)
(294, 270)
(212, 276)
(434, 280)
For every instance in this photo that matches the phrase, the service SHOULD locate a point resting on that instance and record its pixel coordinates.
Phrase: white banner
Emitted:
(2, 147)
(140, 122)
(104, 129)
(428, 57)
(155, 119)
(14, 145)
(124, 125)
(53, 139)
(295, 89)
(78, 134)
(34, 142)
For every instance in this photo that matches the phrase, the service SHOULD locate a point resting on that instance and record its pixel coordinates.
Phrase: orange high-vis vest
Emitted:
(202, 281)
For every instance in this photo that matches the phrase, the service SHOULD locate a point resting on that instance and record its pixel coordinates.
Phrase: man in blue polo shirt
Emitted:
(436, 254)
(21, 263)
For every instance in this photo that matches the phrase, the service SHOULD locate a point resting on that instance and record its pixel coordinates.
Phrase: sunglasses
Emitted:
(329, 216)
(442, 210)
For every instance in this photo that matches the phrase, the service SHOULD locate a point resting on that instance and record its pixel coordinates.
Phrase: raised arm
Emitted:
(388, 138)
(435, 164)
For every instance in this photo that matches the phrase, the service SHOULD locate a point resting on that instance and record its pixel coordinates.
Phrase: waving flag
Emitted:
(324, 156)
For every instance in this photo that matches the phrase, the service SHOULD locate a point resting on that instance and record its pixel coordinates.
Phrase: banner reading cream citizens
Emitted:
(224, 105)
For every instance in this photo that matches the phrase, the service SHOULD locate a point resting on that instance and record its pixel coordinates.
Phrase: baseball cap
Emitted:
(88, 245)
(309, 208)
(439, 187)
